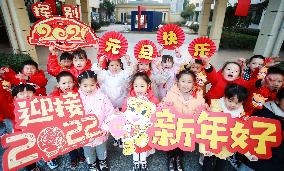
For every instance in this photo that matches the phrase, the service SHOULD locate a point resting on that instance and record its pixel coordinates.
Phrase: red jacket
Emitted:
(53, 67)
(57, 92)
(218, 84)
(38, 80)
(150, 95)
(6, 104)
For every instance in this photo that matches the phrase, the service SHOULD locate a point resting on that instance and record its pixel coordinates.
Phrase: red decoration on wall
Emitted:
(170, 36)
(242, 8)
(202, 46)
(145, 51)
(113, 45)
(52, 4)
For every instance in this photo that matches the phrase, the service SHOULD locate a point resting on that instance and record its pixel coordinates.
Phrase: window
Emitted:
(197, 5)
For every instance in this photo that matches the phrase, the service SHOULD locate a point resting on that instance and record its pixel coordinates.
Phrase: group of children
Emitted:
(167, 81)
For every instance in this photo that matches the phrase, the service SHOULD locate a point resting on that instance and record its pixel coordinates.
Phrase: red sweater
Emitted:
(6, 105)
(218, 84)
(57, 92)
(38, 80)
(53, 67)
(150, 95)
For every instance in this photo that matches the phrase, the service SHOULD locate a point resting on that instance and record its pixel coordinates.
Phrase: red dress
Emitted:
(151, 98)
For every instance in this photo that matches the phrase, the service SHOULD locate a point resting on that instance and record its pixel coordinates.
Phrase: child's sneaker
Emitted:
(136, 166)
(120, 143)
(144, 166)
(201, 159)
(81, 159)
(103, 165)
(52, 164)
(234, 162)
(115, 142)
(172, 164)
(73, 165)
(93, 167)
(179, 164)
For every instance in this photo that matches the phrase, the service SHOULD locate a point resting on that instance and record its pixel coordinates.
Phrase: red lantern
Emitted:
(170, 36)
(145, 51)
(113, 45)
(201, 47)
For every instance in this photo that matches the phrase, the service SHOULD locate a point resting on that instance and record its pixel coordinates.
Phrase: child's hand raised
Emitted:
(177, 52)
(52, 49)
(241, 61)
(206, 61)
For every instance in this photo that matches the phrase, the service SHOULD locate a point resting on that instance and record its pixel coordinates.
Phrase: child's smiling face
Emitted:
(231, 72)
(232, 103)
(167, 64)
(114, 67)
(185, 83)
(79, 63)
(140, 86)
(29, 70)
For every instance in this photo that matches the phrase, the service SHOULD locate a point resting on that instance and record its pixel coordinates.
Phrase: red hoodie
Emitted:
(57, 92)
(218, 84)
(38, 80)
(53, 67)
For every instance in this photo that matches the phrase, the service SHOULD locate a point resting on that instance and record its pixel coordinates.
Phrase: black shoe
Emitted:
(93, 167)
(81, 159)
(103, 165)
(144, 166)
(179, 166)
(74, 164)
(172, 164)
(136, 166)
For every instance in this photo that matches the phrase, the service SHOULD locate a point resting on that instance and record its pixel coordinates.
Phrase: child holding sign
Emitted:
(140, 87)
(186, 98)
(95, 103)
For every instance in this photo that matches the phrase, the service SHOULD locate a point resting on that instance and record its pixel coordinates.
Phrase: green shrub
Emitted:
(13, 61)
(95, 26)
(248, 31)
(231, 40)
(104, 23)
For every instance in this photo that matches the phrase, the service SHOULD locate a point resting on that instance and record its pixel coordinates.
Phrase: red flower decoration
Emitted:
(170, 36)
(202, 46)
(145, 51)
(113, 45)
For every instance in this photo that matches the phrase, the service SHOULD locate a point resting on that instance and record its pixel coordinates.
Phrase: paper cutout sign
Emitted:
(145, 51)
(202, 46)
(131, 126)
(67, 33)
(51, 126)
(113, 45)
(170, 36)
(217, 132)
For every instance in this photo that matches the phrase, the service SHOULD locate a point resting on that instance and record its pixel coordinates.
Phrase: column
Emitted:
(271, 35)
(218, 20)
(21, 25)
(204, 18)
(85, 12)
(70, 2)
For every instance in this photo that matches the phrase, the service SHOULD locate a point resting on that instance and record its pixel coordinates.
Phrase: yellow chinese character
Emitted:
(182, 130)
(239, 135)
(170, 38)
(113, 45)
(201, 50)
(210, 132)
(265, 137)
(42, 10)
(146, 52)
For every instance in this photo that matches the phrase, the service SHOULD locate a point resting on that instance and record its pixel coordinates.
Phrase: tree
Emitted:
(107, 7)
(188, 11)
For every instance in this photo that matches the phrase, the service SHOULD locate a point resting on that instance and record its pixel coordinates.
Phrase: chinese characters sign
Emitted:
(51, 126)
(215, 132)
(131, 126)
(170, 36)
(145, 51)
(113, 45)
(66, 32)
(201, 47)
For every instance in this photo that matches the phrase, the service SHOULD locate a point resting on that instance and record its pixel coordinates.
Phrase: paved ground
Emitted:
(158, 161)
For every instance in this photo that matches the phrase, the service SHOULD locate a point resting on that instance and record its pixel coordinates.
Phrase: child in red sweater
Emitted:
(30, 74)
(80, 63)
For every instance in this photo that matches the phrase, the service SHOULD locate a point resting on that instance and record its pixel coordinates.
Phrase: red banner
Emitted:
(202, 46)
(242, 8)
(113, 45)
(145, 51)
(170, 36)
(214, 131)
(51, 126)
